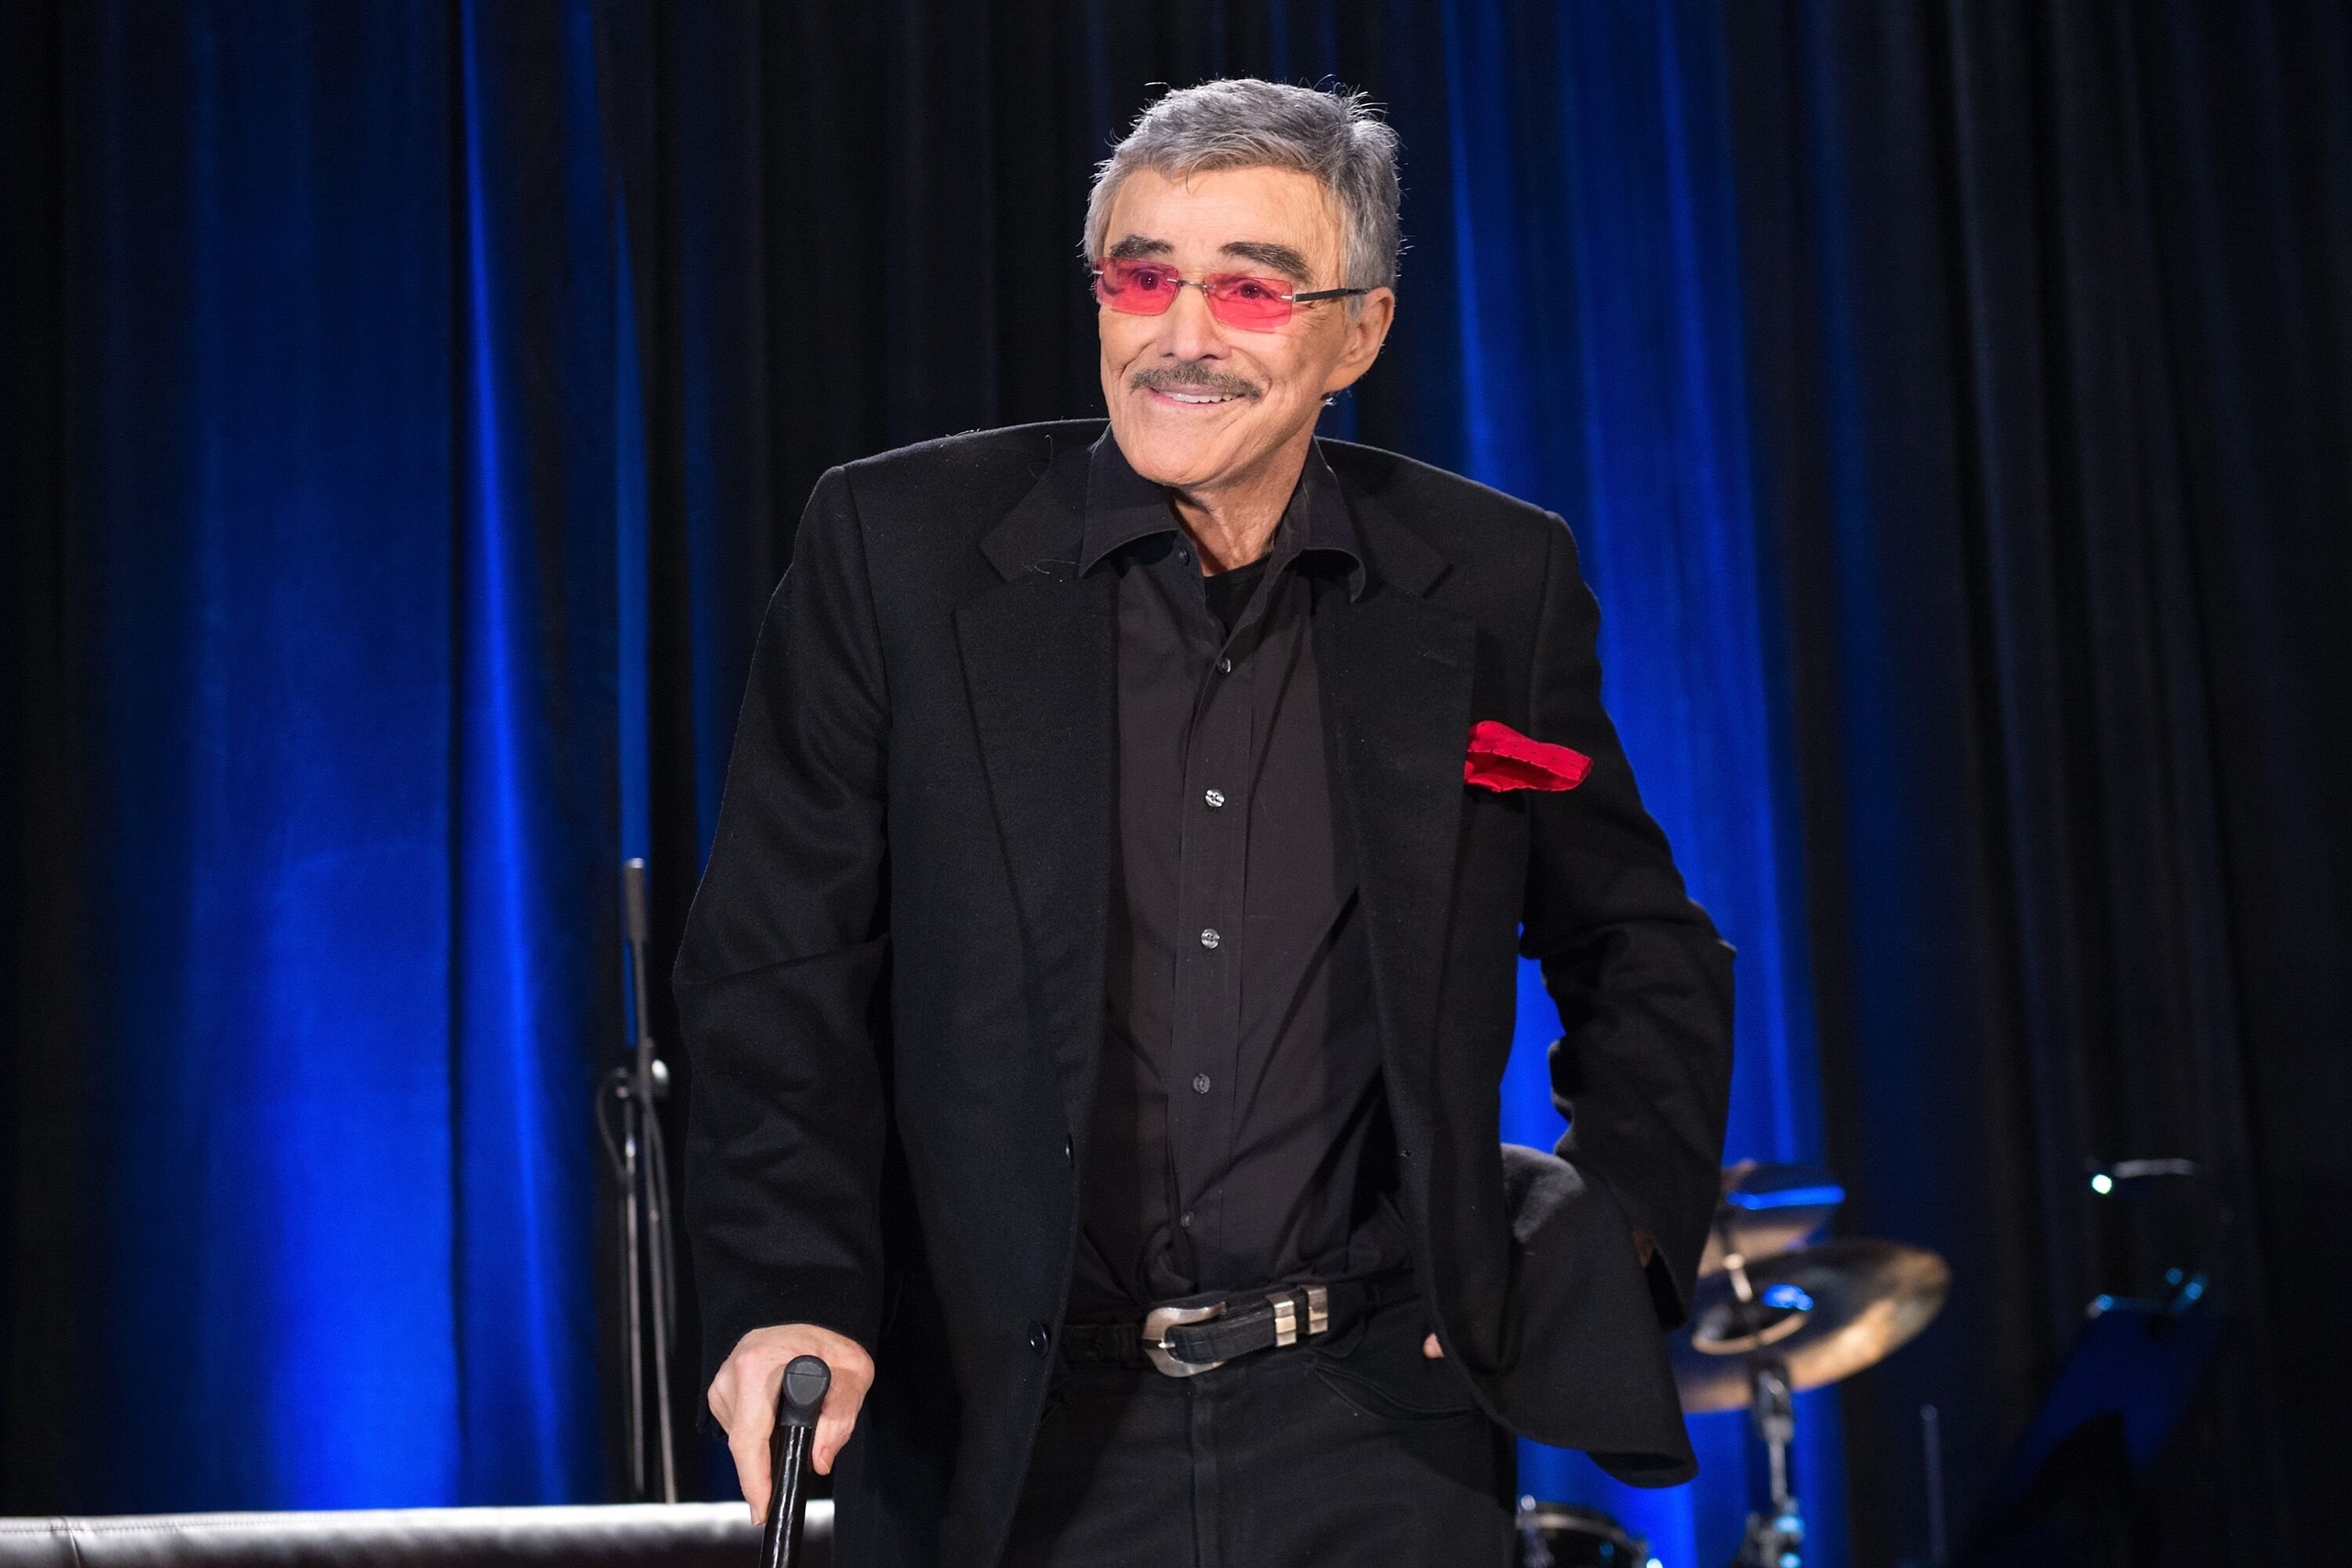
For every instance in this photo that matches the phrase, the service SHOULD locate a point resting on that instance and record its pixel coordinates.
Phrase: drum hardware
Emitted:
(1775, 1539)
(1931, 1450)
(1561, 1535)
(1773, 1315)
(2183, 1285)
(2082, 1466)
(1767, 1210)
(1754, 1322)
(2124, 1174)
(1827, 1312)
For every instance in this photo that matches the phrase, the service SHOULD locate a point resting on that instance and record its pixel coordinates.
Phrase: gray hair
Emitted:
(1245, 123)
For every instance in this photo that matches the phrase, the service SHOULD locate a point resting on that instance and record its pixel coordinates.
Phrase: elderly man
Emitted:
(1100, 986)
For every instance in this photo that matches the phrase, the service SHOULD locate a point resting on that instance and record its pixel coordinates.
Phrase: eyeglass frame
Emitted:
(1301, 296)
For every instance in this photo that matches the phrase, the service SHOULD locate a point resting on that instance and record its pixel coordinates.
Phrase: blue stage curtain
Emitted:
(333, 563)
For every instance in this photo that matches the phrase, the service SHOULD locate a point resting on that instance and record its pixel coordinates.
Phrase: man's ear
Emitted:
(1366, 335)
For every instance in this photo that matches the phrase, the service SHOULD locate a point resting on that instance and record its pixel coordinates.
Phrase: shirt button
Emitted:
(1224, 666)
(1209, 937)
(1185, 1219)
(1215, 798)
(1200, 1083)
(1039, 1339)
(1183, 556)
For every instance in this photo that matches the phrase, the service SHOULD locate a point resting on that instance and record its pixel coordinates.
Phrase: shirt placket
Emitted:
(1212, 862)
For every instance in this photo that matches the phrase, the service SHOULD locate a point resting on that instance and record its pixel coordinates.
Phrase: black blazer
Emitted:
(891, 983)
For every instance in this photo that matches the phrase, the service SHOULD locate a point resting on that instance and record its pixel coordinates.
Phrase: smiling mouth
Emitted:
(1198, 399)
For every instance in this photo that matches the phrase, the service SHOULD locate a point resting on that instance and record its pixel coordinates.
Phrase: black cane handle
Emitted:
(798, 1400)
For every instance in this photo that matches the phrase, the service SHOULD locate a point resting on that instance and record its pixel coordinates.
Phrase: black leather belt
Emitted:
(1185, 1337)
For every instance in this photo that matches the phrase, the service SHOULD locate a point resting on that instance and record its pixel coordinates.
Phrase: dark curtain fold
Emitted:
(2047, 339)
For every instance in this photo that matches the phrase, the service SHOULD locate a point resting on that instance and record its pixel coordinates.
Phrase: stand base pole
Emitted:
(1776, 1539)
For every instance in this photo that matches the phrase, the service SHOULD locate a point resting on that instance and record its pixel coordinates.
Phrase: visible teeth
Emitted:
(1192, 397)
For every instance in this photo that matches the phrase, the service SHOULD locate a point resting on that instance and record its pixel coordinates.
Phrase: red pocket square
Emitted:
(1501, 758)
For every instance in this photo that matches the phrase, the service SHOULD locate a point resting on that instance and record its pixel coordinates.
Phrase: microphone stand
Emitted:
(628, 1119)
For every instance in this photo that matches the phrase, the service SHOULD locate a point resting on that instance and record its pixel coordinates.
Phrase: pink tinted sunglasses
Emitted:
(1138, 288)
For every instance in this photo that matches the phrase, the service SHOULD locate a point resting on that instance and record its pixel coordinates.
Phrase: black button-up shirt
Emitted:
(1241, 1135)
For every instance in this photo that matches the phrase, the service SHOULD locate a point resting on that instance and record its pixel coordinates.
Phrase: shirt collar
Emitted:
(1122, 507)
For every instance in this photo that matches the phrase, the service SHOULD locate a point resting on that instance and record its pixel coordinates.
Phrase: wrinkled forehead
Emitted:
(1277, 220)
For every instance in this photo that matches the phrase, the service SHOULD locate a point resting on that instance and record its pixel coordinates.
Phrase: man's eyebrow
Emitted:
(1135, 247)
(1281, 258)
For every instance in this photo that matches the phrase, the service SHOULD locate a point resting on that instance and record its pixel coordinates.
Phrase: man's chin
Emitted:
(1179, 451)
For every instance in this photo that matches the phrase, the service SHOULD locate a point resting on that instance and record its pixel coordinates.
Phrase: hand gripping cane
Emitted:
(806, 1378)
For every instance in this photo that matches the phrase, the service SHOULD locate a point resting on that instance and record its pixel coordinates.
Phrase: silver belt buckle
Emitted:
(1156, 1324)
(1287, 1329)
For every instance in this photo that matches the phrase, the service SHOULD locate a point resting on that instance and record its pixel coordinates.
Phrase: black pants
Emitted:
(1352, 1449)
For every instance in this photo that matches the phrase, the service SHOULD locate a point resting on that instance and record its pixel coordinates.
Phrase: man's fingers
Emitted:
(751, 1473)
(838, 1420)
(747, 1424)
(831, 1432)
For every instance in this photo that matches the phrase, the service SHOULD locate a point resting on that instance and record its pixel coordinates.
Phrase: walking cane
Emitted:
(806, 1378)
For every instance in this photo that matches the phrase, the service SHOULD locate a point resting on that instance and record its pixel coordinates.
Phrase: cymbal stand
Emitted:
(1775, 1540)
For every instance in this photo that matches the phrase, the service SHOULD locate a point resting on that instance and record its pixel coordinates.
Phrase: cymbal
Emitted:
(1827, 1312)
(1769, 1209)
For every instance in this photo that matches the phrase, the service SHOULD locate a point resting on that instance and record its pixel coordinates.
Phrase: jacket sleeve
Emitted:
(1642, 1069)
(780, 979)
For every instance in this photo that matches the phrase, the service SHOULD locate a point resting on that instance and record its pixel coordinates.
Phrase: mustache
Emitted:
(1191, 376)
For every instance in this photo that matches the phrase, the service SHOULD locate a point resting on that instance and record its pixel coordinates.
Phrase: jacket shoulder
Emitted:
(1444, 507)
(978, 473)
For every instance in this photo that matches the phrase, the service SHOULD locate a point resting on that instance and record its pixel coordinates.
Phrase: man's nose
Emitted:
(1192, 330)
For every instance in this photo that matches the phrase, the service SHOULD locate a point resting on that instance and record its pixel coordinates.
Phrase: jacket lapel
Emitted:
(1038, 663)
(1397, 673)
